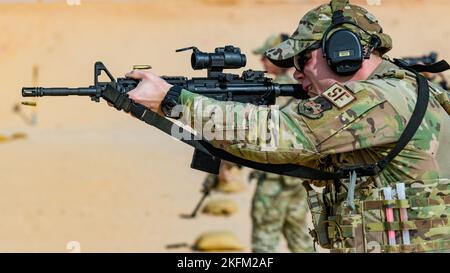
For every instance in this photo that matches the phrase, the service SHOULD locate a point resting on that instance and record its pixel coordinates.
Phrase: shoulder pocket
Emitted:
(335, 120)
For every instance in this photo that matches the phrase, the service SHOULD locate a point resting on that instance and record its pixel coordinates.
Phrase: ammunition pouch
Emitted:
(319, 216)
(364, 229)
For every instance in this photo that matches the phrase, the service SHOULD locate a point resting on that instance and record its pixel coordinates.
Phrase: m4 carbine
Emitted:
(251, 87)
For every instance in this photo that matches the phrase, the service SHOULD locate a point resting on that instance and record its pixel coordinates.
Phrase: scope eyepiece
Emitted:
(222, 58)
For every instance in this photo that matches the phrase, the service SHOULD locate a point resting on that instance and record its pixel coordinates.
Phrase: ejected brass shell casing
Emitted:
(29, 103)
(142, 67)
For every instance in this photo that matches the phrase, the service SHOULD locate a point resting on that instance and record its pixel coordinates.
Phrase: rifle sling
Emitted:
(168, 126)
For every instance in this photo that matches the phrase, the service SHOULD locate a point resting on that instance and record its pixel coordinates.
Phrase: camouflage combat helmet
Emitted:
(314, 24)
(271, 42)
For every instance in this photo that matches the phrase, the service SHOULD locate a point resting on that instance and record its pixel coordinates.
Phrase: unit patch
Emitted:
(339, 95)
(314, 108)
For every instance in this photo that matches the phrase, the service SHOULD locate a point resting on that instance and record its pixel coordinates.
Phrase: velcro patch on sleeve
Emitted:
(339, 95)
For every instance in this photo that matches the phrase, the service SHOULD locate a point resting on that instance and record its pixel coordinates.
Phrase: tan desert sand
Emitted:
(91, 177)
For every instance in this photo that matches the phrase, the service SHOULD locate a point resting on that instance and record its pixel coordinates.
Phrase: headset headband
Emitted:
(339, 19)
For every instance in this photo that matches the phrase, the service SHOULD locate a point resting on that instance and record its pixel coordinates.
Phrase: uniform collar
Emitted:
(381, 69)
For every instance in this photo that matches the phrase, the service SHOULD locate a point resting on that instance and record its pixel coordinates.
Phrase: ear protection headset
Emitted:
(343, 49)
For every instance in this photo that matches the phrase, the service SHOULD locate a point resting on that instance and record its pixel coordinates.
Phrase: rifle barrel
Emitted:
(58, 91)
(292, 90)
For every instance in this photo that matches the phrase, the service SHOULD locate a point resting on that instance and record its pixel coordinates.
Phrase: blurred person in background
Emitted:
(279, 204)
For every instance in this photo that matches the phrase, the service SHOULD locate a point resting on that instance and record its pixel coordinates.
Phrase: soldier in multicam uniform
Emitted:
(279, 203)
(361, 126)
(282, 75)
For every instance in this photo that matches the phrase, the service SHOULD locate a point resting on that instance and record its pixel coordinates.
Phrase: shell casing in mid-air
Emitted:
(29, 103)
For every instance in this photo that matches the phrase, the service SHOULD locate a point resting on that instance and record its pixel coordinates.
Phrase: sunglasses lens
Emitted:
(300, 61)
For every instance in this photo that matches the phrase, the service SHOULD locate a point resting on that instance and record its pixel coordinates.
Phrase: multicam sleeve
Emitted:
(292, 135)
(362, 131)
(259, 133)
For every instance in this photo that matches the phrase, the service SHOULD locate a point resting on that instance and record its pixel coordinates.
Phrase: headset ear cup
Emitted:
(344, 52)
